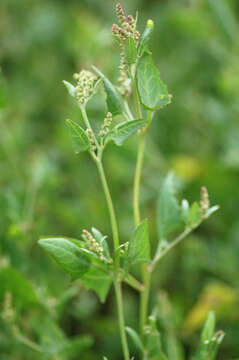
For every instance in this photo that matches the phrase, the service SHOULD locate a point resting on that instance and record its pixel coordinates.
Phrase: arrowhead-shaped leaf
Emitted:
(169, 216)
(79, 138)
(139, 246)
(113, 99)
(152, 91)
(124, 130)
(68, 255)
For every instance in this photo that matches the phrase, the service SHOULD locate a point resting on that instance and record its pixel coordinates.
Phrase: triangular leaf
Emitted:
(80, 139)
(139, 246)
(152, 91)
(113, 99)
(68, 255)
(124, 130)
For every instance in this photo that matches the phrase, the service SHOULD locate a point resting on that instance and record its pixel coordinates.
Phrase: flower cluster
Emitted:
(124, 248)
(204, 202)
(85, 85)
(125, 29)
(90, 134)
(106, 125)
(93, 245)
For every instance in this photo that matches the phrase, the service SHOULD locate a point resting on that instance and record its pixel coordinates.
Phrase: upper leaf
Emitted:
(113, 98)
(68, 255)
(169, 216)
(80, 139)
(130, 51)
(139, 246)
(124, 130)
(145, 37)
(152, 91)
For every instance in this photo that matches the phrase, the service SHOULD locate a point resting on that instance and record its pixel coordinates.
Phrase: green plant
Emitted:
(90, 259)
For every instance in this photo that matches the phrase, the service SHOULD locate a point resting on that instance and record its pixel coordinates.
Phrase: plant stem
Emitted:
(24, 340)
(176, 241)
(117, 281)
(146, 275)
(118, 292)
(138, 172)
(109, 201)
(144, 298)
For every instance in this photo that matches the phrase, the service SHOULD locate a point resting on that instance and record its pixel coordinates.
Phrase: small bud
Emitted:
(204, 202)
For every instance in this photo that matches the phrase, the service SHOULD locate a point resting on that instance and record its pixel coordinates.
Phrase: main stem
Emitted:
(146, 275)
(117, 282)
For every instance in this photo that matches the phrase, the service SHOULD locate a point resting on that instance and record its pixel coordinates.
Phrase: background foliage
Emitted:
(47, 190)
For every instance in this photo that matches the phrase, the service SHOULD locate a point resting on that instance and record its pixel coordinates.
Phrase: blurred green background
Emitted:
(47, 190)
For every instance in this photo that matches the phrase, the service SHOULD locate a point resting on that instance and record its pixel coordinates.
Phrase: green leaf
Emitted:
(209, 341)
(145, 37)
(153, 340)
(97, 280)
(194, 216)
(113, 99)
(14, 282)
(135, 338)
(139, 246)
(152, 91)
(209, 327)
(169, 216)
(185, 210)
(124, 130)
(70, 88)
(130, 51)
(55, 343)
(79, 138)
(101, 239)
(68, 255)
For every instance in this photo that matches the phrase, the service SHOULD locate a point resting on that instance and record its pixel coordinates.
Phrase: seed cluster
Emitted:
(85, 85)
(93, 245)
(106, 125)
(204, 202)
(125, 29)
